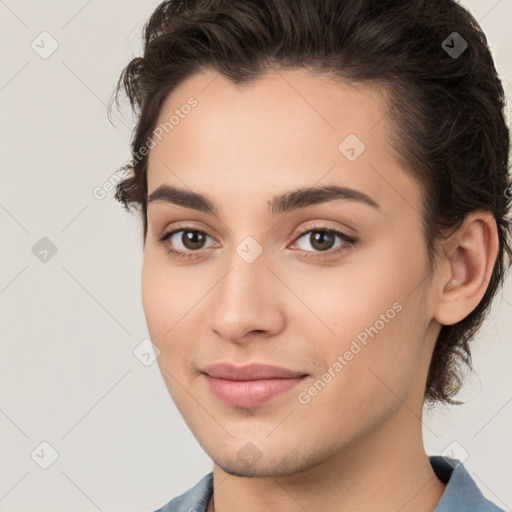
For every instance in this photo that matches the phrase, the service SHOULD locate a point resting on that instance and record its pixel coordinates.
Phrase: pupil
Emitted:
(319, 238)
(192, 239)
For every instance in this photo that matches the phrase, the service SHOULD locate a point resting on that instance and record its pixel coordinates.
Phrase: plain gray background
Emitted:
(71, 321)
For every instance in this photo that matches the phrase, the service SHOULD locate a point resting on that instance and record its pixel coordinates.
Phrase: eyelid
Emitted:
(188, 227)
(320, 226)
(183, 226)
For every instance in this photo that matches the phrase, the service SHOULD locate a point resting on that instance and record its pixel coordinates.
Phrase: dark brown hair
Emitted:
(447, 110)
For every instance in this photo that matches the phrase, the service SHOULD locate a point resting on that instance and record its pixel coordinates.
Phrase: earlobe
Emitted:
(467, 267)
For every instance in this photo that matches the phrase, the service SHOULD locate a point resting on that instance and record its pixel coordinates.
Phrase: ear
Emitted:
(466, 268)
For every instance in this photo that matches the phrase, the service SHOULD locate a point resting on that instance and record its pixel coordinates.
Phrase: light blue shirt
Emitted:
(461, 493)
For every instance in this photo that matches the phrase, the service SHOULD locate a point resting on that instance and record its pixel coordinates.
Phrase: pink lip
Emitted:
(249, 393)
(252, 371)
(251, 385)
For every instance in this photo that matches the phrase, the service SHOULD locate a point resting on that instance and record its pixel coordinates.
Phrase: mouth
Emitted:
(250, 393)
(250, 385)
(253, 371)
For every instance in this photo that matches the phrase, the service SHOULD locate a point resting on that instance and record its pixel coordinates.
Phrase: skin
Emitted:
(357, 445)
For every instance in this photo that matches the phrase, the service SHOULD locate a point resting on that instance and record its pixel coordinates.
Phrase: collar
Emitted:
(461, 493)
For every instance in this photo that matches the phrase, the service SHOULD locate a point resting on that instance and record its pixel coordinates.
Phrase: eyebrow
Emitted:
(294, 200)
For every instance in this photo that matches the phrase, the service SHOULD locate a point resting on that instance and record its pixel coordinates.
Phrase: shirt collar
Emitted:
(461, 493)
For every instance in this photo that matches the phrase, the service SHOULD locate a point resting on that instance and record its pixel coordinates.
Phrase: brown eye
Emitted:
(191, 243)
(321, 240)
(185, 241)
(193, 240)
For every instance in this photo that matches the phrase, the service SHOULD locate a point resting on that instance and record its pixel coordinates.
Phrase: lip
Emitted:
(249, 393)
(252, 371)
(250, 385)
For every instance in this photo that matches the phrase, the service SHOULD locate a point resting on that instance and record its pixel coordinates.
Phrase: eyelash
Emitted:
(349, 241)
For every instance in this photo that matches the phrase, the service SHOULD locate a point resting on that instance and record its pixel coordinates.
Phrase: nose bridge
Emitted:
(244, 285)
(245, 298)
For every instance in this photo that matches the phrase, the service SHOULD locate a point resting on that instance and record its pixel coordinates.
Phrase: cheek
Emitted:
(162, 299)
(166, 292)
(363, 377)
(370, 314)
(344, 300)
(161, 304)
(170, 302)
(152, 294)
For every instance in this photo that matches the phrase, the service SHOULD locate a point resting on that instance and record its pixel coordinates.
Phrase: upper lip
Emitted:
(252, 371)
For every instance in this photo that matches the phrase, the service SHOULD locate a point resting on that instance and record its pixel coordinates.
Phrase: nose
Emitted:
(248, 301)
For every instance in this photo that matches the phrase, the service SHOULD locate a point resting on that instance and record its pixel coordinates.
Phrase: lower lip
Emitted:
(250, 393)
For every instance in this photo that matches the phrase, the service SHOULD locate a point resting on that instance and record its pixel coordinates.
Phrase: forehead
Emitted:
(305, 102)
(289, 127)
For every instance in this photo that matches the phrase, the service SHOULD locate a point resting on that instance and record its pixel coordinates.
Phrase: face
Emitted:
(332, 288)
